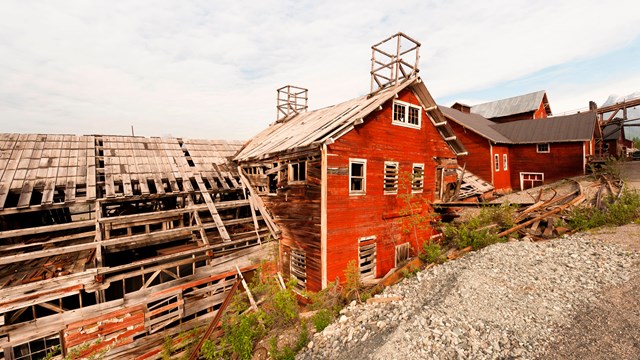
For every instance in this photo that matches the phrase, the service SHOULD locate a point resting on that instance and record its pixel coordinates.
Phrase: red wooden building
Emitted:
(534, 105)
(525, 153)
(342, 181)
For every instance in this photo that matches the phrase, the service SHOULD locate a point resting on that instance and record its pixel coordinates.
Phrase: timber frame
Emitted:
(109, 244)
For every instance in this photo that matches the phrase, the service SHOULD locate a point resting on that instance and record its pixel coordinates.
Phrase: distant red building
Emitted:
(525, 153)
(534, 105)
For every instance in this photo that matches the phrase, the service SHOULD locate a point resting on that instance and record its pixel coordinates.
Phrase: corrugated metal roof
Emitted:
(576, 127)
(309, 129)
(475, 123)
(511, 106)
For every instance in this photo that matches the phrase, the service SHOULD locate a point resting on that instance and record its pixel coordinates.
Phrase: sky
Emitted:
(210, 69)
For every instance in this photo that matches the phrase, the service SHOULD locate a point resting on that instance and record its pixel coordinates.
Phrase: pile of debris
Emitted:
(543, 214)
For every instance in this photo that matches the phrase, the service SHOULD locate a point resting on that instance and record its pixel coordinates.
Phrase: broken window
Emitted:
(417, 178)
(390, 177)
(37, 349)
(406, 114)
(529, 180)
(298, 268)
(298, 171)
(504, 162)
(367, 257)
(357, 176)
(543, 148)
(402, 253)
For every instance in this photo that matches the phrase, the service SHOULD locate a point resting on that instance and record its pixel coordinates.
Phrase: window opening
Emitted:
(543, 148)
(367, 257)
(298, 171)
(406, 114)
(402, 253)
(504, 162)
(390, 177)
(417, 178)
(298, 268)
(357, 176)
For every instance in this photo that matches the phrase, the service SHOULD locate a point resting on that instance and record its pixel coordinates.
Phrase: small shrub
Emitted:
(353, 284)
(321, 320)
(622, 211)
(285, 305)
(432, 253)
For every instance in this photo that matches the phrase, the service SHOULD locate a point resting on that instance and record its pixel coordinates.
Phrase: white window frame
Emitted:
(522, 175)
(364, 176)
(505, 162)
(543, 152)
(496, 162)
(414, 179)
(405, 121)
(386, 177)
(291, 180)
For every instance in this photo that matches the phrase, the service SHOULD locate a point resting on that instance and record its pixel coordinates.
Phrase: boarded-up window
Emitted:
(417, 178)
(298, 171)
(367, 257)
(298, 268)
(390, 177)
(357, 176)
(402, 253)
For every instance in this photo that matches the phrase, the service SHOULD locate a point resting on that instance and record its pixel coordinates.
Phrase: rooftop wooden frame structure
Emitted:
(108, 244)
(291, 100)
(388, 64)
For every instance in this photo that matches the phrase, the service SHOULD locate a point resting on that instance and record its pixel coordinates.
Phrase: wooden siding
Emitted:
(564, 160)
(350, 217)
(479, 158)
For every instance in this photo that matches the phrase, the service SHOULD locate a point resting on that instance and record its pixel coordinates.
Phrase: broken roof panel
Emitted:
(310, 129)
(511, 106)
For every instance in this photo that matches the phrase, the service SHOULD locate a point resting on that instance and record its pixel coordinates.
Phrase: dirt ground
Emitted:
(610, 327)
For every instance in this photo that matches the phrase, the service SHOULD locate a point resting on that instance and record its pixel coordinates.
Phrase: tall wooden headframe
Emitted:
(291, 100)
(393, 60)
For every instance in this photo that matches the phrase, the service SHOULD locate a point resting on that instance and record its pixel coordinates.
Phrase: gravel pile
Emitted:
(507, 301)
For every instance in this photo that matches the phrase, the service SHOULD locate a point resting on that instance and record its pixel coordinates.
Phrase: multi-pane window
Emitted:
(37, 349)
(496, 162)
(406, 114)
(390, 177)
(504, 162)
(417, 178)
(543, 148)
(357, 176)
(298, 171)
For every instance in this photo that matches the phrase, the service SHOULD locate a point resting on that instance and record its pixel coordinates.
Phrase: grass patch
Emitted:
(622, 211)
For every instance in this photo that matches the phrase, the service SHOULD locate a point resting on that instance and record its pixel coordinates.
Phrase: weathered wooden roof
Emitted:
(511, 106)
(311, 129)
(40, 169)
(576, 127)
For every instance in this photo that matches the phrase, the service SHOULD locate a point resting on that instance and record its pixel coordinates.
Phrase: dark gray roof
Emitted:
(611, 132)
(475, 123)
(576, 127)
(511, 106)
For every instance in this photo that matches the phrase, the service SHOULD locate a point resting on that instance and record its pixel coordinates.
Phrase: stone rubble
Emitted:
(506, 301)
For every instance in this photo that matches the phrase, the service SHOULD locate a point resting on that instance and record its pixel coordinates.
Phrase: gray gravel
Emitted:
(507, 301)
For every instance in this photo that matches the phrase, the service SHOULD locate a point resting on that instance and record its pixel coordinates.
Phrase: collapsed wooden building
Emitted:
(110, 244)
(342, 182)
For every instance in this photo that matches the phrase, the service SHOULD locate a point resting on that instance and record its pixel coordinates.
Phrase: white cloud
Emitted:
(210, 69)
